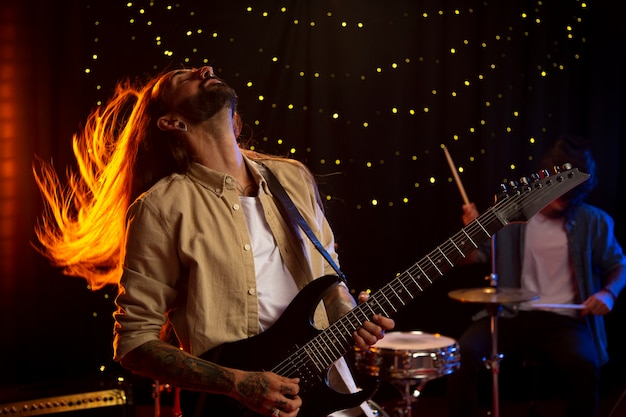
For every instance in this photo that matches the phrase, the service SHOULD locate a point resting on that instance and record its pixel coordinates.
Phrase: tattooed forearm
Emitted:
(254, 388)
(163, 362)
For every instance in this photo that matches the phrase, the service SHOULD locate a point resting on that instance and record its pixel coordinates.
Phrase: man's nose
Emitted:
(206, 72)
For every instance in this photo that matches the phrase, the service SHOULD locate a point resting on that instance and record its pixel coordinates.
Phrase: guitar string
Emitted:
(412, 277)
(506, 202)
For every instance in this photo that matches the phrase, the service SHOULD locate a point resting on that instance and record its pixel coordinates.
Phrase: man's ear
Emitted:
(169, 123)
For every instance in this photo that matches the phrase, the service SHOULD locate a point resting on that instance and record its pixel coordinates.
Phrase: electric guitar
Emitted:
(293, 347)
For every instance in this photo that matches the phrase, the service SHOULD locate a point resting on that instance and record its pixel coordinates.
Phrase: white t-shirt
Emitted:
(547, 268)
(276, 287)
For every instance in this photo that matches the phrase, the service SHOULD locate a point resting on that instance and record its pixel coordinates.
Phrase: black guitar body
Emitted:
(265, 351)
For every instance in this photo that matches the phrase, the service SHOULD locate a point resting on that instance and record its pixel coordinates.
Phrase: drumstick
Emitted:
(571, 306)
(456, 175)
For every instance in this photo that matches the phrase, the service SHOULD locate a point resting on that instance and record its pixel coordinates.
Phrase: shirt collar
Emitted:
(217, 182)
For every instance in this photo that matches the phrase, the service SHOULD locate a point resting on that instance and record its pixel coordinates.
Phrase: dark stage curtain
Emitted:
(363, 92)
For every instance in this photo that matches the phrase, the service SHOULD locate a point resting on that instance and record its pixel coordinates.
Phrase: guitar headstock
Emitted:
(519, 200)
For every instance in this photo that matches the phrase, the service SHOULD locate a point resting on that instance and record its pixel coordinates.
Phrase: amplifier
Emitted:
(99, 395)
(64, 403)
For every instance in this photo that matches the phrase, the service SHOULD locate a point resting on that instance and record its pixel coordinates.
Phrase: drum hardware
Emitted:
(494, 298)
(377, 410)
(157, 390)
(408, 360)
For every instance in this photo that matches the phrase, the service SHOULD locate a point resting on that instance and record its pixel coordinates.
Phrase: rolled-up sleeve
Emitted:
(147, 286)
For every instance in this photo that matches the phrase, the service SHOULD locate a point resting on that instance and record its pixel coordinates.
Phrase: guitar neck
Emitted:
(335, 341)
(517, 205)
(406, 286)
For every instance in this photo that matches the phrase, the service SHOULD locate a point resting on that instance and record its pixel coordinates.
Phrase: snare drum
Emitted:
(410, 355)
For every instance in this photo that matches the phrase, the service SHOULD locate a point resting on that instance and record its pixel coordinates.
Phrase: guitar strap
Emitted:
(292, 213)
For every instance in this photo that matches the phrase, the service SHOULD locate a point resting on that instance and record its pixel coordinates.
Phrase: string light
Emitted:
(404, 87)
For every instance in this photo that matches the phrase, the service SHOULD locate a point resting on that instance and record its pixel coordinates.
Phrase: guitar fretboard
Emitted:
(312, 359)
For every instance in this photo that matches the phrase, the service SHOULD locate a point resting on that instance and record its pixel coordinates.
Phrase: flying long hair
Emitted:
(120, 153)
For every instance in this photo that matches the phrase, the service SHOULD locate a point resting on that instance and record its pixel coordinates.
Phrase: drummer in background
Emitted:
(567, 254)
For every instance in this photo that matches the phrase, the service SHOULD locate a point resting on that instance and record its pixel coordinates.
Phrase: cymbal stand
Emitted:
(493, 363)
(494, 298)
(493, 309)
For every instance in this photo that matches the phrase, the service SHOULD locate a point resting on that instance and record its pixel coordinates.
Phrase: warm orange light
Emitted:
(8, 146)
(83, 228)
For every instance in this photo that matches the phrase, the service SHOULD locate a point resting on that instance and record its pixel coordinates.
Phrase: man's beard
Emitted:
(209, 101)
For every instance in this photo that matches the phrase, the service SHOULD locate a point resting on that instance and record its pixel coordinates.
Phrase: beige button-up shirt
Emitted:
(188, 256)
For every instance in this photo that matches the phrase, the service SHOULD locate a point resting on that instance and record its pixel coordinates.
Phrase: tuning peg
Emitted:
(535, 177)
(524, 181)
(566, 166)
(544, 173)
(513, 183)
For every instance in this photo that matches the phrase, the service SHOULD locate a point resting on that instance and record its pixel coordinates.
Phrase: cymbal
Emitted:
(493, 295)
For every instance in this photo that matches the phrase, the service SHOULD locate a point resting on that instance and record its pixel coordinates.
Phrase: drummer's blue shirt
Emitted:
(594, 251)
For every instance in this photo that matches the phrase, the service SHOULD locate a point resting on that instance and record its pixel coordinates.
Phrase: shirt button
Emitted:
(246, 246)
(251, 291)
(235, 206)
